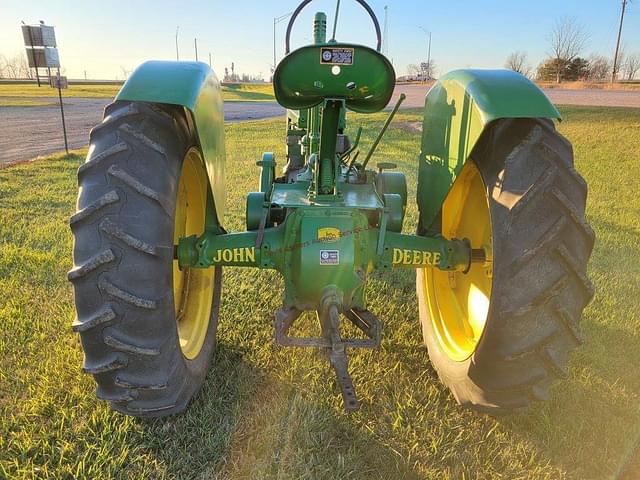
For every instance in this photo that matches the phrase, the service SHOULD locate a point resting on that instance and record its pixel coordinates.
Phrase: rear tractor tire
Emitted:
(147, 329)
(499, 335)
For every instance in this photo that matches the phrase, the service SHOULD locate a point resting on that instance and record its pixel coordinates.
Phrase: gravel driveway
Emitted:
(28, 132)
(593, 97)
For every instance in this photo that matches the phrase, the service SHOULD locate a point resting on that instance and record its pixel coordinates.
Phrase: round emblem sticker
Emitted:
(326, 56)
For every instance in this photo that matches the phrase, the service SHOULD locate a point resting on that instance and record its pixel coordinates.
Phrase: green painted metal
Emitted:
(194, 86)
(361, 196)
(320, 28)
(302, 80)
(328, 225)
(457, 110)
(255, 210)
(393, 182)
(394, 209)
(327, 166)
(267, 171)
(298, 247)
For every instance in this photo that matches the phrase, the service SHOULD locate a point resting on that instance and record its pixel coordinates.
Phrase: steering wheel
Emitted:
(364, 5)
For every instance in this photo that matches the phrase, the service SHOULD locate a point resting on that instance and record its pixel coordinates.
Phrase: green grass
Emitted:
(25, 102)
(87, 91)
(275, 413)
(246, 92)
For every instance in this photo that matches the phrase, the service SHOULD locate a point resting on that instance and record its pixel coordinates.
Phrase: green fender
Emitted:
(194, 86)
(457, 111)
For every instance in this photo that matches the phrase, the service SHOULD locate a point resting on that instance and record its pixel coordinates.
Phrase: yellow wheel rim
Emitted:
(459, 302)
(192, 288)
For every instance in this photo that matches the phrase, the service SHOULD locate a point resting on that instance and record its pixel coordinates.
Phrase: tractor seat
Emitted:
(364, 78)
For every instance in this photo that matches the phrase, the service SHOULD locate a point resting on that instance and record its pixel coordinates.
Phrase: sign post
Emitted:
(60, 83)
(42, 52)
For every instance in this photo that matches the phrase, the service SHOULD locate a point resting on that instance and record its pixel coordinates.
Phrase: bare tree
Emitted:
(428, 69)
(631, 66)
(413, 69)
(599, 68)
(15, 67)
(517, 61)
(567, 40)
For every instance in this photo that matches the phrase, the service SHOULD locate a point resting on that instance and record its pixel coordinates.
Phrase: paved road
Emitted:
(593, 97)
(28, 132)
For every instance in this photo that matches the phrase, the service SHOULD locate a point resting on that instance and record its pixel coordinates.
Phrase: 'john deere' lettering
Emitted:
(415, 257)
(235, 255)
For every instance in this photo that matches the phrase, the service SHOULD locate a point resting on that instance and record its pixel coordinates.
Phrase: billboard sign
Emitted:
(39, 36)
(43, 58)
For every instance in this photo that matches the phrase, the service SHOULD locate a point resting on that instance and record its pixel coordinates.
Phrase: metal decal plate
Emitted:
(336, 56)
(329, 257)
(329, 234)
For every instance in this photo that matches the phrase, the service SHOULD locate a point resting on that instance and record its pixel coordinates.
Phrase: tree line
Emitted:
(14, 67)
(565, 61)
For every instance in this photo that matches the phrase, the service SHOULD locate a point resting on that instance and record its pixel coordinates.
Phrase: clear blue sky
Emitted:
(104, 37)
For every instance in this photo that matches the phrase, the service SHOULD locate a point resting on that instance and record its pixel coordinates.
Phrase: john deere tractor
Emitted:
(500, 248)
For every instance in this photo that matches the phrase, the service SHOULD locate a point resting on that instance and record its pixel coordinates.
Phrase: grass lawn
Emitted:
(89, 91)
(26, 102)
(18, 95)
(276, 413)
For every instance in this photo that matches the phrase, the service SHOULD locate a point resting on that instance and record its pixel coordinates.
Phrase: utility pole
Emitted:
(615, 57)
(385, 35)
(195, 44)
(177, 53)
(276, 21)
(210, 60)
(427, 32)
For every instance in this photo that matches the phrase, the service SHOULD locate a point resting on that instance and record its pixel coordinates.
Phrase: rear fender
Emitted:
(194, 86)
(458, 109)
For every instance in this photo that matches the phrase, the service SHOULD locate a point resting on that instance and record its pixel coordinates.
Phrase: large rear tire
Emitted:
(499, 335)
(147, 328)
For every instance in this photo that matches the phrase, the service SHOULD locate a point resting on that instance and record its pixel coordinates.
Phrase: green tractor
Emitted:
(500, 251)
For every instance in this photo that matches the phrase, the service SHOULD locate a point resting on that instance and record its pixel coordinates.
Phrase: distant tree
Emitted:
(517, 61)
(578, 69)
(631, 66)
(599, 68)
(550, 69)
(15, 66)
(413, 69)
(427, 69)
(567, 40)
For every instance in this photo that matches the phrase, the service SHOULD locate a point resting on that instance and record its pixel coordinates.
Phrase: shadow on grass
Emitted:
(246, 424)
(589, 425)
